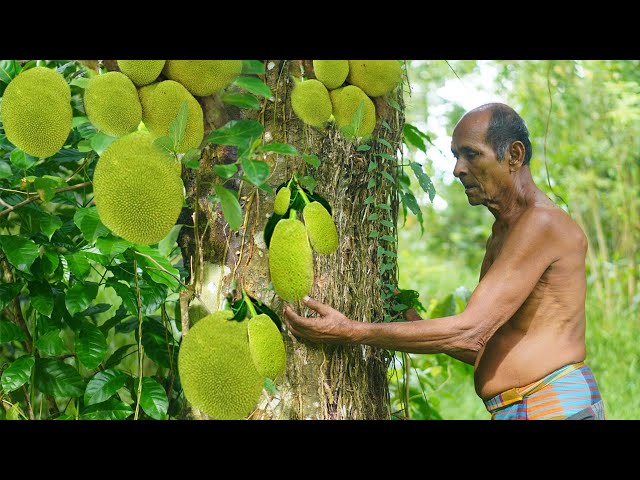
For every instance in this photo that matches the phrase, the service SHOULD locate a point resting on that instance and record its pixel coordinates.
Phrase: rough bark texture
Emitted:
(321, 382)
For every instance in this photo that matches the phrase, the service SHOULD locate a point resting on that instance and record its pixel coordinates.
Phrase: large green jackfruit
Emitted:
(36, 111)
(216, 371)
(346, 101)
(375, 77)
(203, 77)
(321, 229)
(332, 73)
(282, 200)
(137, 189)
(290, 260)
(141, 72)
(266, 346)
(160, 106)
(311, 102)
(112, 105)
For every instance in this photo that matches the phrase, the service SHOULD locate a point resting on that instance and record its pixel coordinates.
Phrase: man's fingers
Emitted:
(319, 307)
(290, 314)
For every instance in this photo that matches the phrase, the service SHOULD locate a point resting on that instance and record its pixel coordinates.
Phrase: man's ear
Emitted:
(515, 155)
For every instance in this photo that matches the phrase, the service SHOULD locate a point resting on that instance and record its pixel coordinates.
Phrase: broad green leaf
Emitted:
(358, 116)
(20, 251)
(65, 417)
(49, 224)
(372, 166)
(386, 223)
(281, 148)
(230, 206)
(126, 293)
(191, 158)
(308, 182)
(256, 171)
(386, 156)
(114, 321)
(17, 374)
(14, 413)
(254, 85)
(237, 132)
(95, 309)
(241, 100)
(388, 238)
(49, 262)
(424, 180)
(54, 377)
(104, 385)
(385, 143)
(152, 295)
(159, 344)
(111, 409)
(100, 141)
(47, 185)
(153, 399)
(373, 216)
(383, 206)
(369, 199)
(80, 296)
(91, 346)
(78, 265)
(226, 171)
(87, 130)
(9, 69)
(5, 169)
(9, 291)
(374, 234)
(178, 125)
(118, 355)
(165, 144)
(154, 267)
(112, 245)
(253, 67)
(410, 201)
(388, 176)
(312, 160)
(80, 82)
(21, 160)
(363, 148)
(41, 297)
(88, 221)
(168, 244)
(50, 344)
(371, 183)
(412, 136)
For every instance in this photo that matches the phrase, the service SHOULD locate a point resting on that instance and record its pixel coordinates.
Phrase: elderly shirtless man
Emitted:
(524, 326)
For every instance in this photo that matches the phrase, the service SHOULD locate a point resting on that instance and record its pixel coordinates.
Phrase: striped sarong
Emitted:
(568, 393)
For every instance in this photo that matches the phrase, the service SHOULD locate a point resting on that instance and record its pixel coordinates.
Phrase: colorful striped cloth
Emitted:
(570, 392)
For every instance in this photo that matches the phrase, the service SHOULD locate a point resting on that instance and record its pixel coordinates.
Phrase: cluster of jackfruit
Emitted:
(338, 90)
(223, 363)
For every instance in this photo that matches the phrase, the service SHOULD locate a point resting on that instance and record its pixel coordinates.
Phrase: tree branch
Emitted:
(7, 211)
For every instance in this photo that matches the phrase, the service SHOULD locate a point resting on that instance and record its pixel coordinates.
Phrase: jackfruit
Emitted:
(36, 111)
(321, 229)
(141, 72)
(112, 105)
(311, 102)
(281, 203)
(332, 73)
(346, 101)
(216, 370)
(203, 77)
(160, 106)
(137, 189)
(266, 346)
(375, 77)
(290, 260)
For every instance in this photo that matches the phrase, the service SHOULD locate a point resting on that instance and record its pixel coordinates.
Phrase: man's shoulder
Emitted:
(552, 225)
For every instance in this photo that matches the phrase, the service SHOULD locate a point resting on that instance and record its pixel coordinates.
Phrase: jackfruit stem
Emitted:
(252, 308)
(304, 196)
(293, 214)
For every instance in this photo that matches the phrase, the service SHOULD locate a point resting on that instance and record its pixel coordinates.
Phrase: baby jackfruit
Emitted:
(266, 346)
(290, 260)
(346, 101)
(311, 102)
(332, 73)
(141, 72)
(36, 111)
(281, 203)
(321, 229)
(137, 190)
(375, 77)
(203, 77)
(160, 106)
(216, 370)
(112, 105)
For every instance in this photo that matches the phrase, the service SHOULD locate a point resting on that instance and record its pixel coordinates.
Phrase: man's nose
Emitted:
(460, 168)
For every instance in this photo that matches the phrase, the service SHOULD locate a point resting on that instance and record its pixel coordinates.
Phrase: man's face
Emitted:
(477, 166)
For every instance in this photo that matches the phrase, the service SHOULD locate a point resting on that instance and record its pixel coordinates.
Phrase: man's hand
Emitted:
(330, 326)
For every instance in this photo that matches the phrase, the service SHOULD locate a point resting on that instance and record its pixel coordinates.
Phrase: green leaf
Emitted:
(253, 67)
(383, 206)
(100, 141)
(41, 297)
(165, 144)
(424, 180)
(80, 296)
(118, 355)
(168, 244)
(226, 171)
(254, 85)
(159, 344)
(80, 82)
(412, 136)
(20, 251)
(78, 265)
(5, 170)
(103, 386)
(153, 267)
(385, 143)
(50, 344)
(312, 160)
(386, 156)
(281, 148)
(54, 377)
(153, 399)
(178, 125)
(9, 291)
(358, 116)
(191, 158)
(9, 69)
(308, 182)
(369, 199)
(410, 201)
(236, 132)
(241, 100)
(372, 166)
(152, 295)
(386, 125)
(88, 221)
(374, 234)
(373, 216)
(386, 223)
(126, 293)
(230, 206)
(47, 185)
(17, 374)
(91, 346)
(371, 183)
(95, 309)
(388, 176)
(256, 171)
(14, 413)
(112, 245)
(21, 160)
(49, 224)
(388, 238)
(363, 148)
(49, 262)
(114, 321)
(111, 409)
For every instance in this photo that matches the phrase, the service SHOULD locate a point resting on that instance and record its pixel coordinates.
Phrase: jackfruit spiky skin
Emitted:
(345, 102)
(137, 191)
(375, 77)
(141, 72)
(160, 106)
(281, 203)
(321, 229)
(36, 111)
(332, 73)
(290, 260)
(112, 105)
(216, 370)
(266, 346)
(311, 102)
(203, 77)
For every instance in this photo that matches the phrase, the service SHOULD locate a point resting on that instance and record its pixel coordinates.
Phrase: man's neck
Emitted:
(515, 199)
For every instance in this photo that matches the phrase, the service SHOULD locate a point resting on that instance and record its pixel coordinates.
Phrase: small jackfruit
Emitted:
(321, 229)
(141, 72)
(216, 371)
(332, 73)
(137, 190)
(281, 203)
(290, 260)
(36, 111)
(311, 102)
(346, 101)
(112, 105)
(266, 346)
(375, 77)
(203, 77)
(160, 106)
